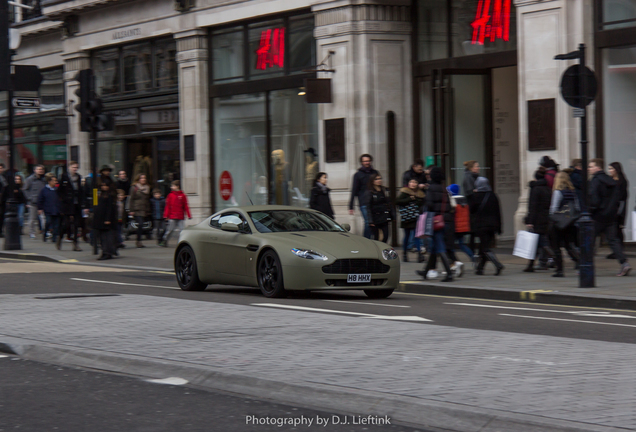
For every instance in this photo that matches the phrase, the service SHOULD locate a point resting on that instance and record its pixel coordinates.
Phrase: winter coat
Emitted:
(360, 183)
(378, 206)
(18, 195)
(319, 199)
(176, 206)
(462, 215)
(49, 201)
(158, 206)
(106, 211)
(469, 182)
(32, 187)
(576, 177)
(485, 212)
(604, 198)
(550, 174)
(438, 202)
(411, 174)
(539, 206)
(71, 199)
(406, 197)
(123, 185)
(623, 195)
(139, 201)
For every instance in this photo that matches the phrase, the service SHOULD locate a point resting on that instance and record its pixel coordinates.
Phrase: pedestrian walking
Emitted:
(158, 205)
(471, 172)
(538, 218)
(139, 203)
(576, 177)
(32, 187)
(379, 210)
(485, 218)
(4, 184)
(123, 182)
(121, 217)
(49, 205)
(615, 170)
(72, 201)
(410, 201)
(604, 199)
(438, 206)
(319, 199)
(462, 221)
(564, 200)
(18, 198)
(417, 173)
(176, 210)
(551, 169)
(359, 187)
(105, 217)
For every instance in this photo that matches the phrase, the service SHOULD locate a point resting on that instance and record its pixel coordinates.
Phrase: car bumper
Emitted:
(314, 279)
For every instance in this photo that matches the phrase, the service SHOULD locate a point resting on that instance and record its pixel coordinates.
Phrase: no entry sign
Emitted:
(225, 185)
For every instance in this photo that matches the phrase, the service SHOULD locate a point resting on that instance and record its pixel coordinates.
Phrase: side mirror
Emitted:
(346, 226)
(230, 227)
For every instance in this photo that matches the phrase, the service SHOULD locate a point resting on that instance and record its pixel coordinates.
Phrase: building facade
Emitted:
(214, 92)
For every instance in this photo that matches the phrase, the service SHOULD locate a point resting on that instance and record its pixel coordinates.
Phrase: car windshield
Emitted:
(292, 220)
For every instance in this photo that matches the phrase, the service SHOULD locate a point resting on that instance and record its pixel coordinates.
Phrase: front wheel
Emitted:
(379, 294)
(185, 267)
(270, 275)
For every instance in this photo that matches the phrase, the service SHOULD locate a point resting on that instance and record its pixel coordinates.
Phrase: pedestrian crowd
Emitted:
(56, 207)
(439, 220)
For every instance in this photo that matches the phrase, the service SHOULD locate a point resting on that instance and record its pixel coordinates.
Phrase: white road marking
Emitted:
(3, 356)
(597, 314)
(169, 381)
(365, 315)
(123, 283)
(569, 320)
(367, 303)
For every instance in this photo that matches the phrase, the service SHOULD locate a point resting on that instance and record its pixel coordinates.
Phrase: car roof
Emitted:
(247, 209)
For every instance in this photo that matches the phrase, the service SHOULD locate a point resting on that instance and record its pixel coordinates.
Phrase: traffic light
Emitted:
(85, 94)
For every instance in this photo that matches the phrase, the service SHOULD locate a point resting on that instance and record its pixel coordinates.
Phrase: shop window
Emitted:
(166, 71)
(228, 54)
(267, 48)
(106, 68)
(302, 46)
(169, 163)
(52, 90)
(432, 29)
(618, 14)
(53, 154)
(137, 68)
(111, 153)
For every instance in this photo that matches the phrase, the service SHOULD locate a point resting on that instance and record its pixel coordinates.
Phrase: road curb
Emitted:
(537, 296)
(434, 415)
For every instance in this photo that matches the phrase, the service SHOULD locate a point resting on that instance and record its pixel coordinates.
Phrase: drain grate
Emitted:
(67, 296)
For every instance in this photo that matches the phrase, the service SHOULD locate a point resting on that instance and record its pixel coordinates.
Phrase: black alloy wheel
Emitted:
(270, 275)
(186, 270)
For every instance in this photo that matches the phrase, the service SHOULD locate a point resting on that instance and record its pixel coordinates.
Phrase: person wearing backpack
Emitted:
(563, 233)
(604, 199)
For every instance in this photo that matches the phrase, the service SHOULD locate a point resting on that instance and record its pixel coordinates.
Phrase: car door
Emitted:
(227, 251)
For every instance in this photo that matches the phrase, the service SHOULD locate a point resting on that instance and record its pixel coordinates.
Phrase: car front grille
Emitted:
(358, 266)
(343, 282)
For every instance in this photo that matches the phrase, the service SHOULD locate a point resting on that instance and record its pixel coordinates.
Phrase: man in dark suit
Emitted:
(72, 198)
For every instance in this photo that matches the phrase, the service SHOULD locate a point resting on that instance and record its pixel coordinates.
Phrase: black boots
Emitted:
(493, 258)
(449, 272)
(530, 268)
(490, 256)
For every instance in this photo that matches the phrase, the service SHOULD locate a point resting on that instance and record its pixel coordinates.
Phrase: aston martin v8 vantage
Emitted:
(280, 248)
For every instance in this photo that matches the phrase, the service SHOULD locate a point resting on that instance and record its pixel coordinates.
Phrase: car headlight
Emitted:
(309, 254)
(389, 254)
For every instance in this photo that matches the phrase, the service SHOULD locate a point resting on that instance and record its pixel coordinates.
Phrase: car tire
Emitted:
(185, 267)
(270, 275)
(379, 294)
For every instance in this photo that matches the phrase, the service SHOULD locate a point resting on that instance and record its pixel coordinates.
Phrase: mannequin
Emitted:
(280, 178)
(311, 168)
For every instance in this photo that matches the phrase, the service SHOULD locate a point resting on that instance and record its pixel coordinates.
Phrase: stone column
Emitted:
(192, 57)
(546, 28)
(371, 41)
(73, 63)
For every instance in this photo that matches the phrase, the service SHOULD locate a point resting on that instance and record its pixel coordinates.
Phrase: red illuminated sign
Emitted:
(271, 51)
(491, 23)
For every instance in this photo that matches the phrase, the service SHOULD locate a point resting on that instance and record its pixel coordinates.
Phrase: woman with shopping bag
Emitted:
(409, 202)
(485, 218)
(538, 218)
(565, 209)
(439, 210)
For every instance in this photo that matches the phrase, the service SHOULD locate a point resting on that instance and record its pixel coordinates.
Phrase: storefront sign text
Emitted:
(123, 34)
(271, 50)
(491, 23)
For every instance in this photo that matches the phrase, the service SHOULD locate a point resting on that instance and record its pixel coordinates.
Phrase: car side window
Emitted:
(233, 218)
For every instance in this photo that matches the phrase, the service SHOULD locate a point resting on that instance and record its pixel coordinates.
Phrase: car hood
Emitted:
(337, 245)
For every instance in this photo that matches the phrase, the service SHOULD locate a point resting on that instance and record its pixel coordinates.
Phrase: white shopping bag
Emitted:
(526, 245)
(634, 225)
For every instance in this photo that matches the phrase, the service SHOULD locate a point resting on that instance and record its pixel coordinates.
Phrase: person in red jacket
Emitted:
(175, 211)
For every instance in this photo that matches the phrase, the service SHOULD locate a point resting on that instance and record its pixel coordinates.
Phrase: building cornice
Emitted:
(363, 17)
(57, 9)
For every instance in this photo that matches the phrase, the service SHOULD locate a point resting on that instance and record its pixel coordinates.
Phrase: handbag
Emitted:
(410, 212)
(526, 245)
(438, 220)
(420, 228)
(565, 216)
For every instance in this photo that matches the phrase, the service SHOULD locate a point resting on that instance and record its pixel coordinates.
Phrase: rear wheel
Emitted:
(185, 267)
(270, 275)
(379, 294)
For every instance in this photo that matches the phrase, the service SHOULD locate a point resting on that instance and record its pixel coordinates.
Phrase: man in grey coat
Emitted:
(32, 187)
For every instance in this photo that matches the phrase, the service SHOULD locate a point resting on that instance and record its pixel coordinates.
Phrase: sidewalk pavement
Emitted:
(439, 377)
(512, 284)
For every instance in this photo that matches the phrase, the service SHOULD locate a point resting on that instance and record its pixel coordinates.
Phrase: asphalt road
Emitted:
(514, 317)
(39, 397)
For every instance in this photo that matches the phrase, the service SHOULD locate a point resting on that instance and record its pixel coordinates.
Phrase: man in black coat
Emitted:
(360, 185)
(416, 172)
(71, 194)
(604, 202)
(538, 218)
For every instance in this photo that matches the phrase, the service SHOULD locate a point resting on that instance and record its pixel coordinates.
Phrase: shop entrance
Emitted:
(456, 109)
(140, 159)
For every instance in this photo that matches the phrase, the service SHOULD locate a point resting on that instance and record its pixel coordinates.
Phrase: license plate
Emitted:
(358, 278)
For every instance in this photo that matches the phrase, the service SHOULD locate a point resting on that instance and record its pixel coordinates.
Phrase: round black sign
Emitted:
(570, 86)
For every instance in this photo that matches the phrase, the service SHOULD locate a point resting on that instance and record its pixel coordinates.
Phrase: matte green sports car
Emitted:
(279, 248)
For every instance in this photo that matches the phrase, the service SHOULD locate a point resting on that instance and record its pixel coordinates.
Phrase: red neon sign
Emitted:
(496, 28)
(271, 51)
